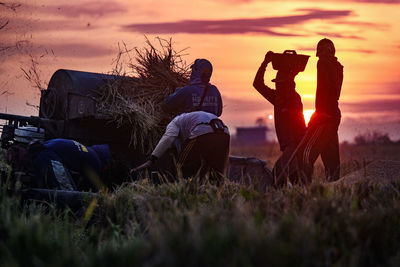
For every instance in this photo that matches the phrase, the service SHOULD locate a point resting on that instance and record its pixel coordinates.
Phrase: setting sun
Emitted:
(307, 114)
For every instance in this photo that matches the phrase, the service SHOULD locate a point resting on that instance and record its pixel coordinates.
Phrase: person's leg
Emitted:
(189, 160)
(321, 138)
(212, 151)
(280, 178)
(331, 159)
(283, 169)
(286, 167)
(51, 172)
(310, 148)
(216, 156)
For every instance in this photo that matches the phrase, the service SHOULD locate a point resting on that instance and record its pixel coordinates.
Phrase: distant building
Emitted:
(251, 135)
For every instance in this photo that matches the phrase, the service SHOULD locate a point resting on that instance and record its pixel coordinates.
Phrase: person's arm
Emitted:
(141, 167)
(259, 84)
(162, 146)
(166, 141)
(175, 102)
(219, 105)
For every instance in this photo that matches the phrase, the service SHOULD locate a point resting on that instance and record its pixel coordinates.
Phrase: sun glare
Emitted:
(307, 114)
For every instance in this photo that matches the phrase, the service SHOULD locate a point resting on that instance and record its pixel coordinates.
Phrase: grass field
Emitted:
(191, 224)
(353, 157)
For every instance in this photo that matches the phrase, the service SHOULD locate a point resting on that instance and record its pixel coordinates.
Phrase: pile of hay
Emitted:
(135, 101)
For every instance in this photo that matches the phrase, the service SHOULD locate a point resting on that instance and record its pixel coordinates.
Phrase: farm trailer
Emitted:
(68, 109)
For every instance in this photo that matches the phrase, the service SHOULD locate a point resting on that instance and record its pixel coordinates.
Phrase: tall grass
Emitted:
(192, 224)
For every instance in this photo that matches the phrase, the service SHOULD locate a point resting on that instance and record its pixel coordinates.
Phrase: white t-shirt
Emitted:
(185, 126)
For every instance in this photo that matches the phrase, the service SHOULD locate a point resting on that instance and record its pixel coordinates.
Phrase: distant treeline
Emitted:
(374, 138)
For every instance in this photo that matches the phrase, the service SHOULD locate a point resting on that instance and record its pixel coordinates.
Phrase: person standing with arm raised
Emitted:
(288, 111)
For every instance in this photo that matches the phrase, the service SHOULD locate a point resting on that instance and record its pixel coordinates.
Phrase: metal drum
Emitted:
(72, 94)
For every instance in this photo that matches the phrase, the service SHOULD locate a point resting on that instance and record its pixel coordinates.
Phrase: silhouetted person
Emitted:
(288, 115)
(206, 145)
(321, 137)
(199, 95)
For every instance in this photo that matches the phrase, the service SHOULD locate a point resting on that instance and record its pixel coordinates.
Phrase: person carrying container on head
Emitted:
(199, 95)
(322, 137)
(205, 141)
(53, 164)
(288, 111)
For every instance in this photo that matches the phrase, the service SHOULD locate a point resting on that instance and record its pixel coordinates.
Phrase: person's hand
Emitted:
(132, 171)
(268, 57)
(141, 167)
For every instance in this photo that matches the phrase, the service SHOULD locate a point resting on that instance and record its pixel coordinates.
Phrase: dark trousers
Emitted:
(286, 167)
(321, 139)
(206, 154)
(51, 173)
(290, 129)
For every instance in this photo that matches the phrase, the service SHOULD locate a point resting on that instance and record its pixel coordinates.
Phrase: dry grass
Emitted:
(135, 100)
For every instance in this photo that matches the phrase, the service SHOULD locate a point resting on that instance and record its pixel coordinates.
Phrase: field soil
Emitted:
(359, 163)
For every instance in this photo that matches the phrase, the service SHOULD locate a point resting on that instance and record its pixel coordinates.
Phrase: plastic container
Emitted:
(289, 60)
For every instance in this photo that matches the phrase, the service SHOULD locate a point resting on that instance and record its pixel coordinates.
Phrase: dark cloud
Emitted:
(384, 105)
(85, 9)
(363, 24)
(392, 88)
(391, 104)
(237, 26)
(360, 1)
(29, 25)
(353, 50)
(79, 50)
(339, 35)
(73, 49)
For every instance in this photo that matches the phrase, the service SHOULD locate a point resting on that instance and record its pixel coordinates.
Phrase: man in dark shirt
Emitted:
(321, 137)
(199, 95)
(53, 163)
(288, 116)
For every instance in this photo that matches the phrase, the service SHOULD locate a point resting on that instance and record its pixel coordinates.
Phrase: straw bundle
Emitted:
(135, 101)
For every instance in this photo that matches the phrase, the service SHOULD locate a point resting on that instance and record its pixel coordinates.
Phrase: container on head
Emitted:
(289, 60)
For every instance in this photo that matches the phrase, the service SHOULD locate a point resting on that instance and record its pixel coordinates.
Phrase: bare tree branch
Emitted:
(13, 6)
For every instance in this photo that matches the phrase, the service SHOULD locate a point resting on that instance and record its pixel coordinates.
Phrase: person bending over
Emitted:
(52, 164)
(205, 141)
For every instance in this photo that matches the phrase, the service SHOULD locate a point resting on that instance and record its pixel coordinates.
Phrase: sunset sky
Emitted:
(233, 34)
